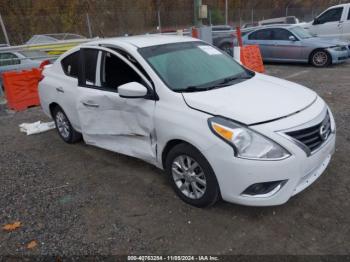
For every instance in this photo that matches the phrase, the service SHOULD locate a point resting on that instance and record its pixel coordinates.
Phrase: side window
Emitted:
(333, 15)
(281, 34)
(90, 62)
(7, 59)
(265, 34)
(70, 64)
(132, 60)
(115, 72)
(349, 14)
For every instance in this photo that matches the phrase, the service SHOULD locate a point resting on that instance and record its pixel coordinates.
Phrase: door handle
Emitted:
(88, 104)
(60, 89)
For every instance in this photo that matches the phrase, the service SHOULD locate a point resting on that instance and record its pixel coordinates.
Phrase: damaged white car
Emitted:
(218, 129)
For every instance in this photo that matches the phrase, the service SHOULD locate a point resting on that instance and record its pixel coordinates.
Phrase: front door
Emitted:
(328, 24)
(284, 48)
(108, 121)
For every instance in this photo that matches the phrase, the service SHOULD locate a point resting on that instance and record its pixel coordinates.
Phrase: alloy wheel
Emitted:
(62, 125)
(320, 58)
(189, 177)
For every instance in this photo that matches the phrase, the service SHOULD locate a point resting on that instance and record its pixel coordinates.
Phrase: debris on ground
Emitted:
(12, 227)
(36, 128)
(32, 244)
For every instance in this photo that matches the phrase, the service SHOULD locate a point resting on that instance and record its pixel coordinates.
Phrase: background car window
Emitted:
(349, 15)
(265, 34)
(90, 62)
(333, 15)
(70, 64)
(115, 72)
(7, 59)
(281, 34)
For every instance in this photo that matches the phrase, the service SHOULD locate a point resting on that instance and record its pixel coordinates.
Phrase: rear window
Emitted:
(90, 62)
(7, 59)
(70, 64)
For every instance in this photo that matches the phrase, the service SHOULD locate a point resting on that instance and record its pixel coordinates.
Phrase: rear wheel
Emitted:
(320, 58)
(191, 176)
(64, 127)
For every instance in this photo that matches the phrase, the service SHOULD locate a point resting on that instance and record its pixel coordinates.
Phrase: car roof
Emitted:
(341, 5)
(141, 41)
(287, 26)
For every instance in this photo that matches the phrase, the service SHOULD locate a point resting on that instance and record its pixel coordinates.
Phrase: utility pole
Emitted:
(226, 12)
(197, 4)
(88, 23)
(4, 30)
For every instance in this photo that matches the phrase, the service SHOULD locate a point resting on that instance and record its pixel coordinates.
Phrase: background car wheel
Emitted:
(64, 127)
(191, 176)
(320, 58)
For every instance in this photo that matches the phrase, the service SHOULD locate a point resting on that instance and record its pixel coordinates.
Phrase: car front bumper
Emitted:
(339, 56)
(299, 171)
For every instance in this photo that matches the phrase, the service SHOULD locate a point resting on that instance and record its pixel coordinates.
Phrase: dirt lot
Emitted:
(83, 200)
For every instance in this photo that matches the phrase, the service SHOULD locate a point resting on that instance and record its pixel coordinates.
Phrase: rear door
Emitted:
(284, 48)
(329, 23)
(107, 120)
(263, 38)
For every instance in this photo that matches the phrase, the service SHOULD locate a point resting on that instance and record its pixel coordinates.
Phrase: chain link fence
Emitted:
(111, 21)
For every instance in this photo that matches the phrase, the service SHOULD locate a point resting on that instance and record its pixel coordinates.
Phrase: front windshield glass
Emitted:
(193, 66)
(301, 32)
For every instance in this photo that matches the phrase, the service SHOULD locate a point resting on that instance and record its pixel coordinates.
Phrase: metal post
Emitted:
(226, 12)
(4, 30)
(197, 4)
(252, 16)
(159, 21)
(88, 25)
(210, 17)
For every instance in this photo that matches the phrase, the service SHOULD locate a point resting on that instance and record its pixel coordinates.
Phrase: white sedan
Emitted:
(216, 128)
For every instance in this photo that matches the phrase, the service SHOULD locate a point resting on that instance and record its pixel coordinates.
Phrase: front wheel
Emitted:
(191, 176)
(321, 58)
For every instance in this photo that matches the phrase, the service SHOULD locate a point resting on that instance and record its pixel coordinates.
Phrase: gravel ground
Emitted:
(80, 200)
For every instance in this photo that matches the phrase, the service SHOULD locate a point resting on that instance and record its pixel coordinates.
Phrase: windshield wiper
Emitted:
(191, 89)
(222, 83)
(227, 81)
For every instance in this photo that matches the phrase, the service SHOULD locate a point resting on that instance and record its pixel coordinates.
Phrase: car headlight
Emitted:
(246, 143)
(339, 48)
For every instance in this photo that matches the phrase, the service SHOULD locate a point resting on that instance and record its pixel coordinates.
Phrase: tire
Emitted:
(64, 127)
(320, 58)
(198, 187)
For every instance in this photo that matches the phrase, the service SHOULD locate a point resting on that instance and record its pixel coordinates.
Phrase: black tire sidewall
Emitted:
(212, 192)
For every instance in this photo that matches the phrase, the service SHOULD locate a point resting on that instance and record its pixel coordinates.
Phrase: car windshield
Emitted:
(301, 32)
(193, 66)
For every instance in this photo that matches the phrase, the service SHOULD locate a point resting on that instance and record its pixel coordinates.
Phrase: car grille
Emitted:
(313, 137)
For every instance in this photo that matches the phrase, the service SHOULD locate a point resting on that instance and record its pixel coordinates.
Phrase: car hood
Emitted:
(260, 99)
(325, 42)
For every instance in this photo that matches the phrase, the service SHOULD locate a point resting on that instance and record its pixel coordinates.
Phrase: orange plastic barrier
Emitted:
(21, 88)
(252, 59)
(195, 32)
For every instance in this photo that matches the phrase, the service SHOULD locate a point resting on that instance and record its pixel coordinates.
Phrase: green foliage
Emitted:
(216, 17)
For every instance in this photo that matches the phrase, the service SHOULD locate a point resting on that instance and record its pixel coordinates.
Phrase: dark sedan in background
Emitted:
(291, 43)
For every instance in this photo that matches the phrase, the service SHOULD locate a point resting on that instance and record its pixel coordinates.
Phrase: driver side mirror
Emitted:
(316, 21)
(132, 90)
(292, 38)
